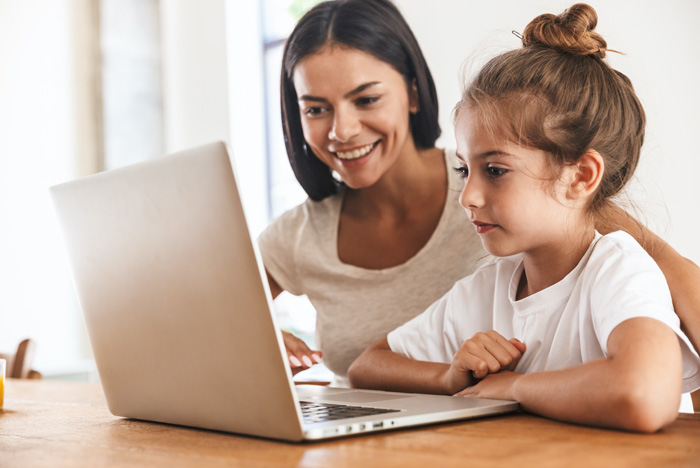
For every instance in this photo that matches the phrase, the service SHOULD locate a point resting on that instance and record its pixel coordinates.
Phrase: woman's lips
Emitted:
(355, 153)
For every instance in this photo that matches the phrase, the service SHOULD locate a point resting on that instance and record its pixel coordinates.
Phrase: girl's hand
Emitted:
(482, 354)
(300, 356)
(498, 386)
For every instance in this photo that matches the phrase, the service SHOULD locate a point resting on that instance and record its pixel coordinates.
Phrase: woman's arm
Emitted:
(300, 356)
(637, 387)
(682, 275)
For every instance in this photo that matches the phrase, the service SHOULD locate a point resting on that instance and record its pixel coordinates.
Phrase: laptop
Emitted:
(180, 316)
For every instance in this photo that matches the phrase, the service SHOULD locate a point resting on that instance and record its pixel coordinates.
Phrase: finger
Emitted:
(518, 344)
(503, 350)
(467, 392)
(473, 356)
(294, 361)
(487, 349)
(307, 361)
(316, 356)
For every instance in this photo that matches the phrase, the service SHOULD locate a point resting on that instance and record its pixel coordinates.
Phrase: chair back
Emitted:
(19, 364)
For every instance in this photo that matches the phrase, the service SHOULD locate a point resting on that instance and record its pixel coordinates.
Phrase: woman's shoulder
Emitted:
(307, 216)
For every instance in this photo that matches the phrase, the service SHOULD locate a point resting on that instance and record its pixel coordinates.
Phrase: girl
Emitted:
(376, 245)
(581, 325)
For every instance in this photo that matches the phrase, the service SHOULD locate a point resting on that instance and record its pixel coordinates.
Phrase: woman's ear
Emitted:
(587, 174)
(413, 102)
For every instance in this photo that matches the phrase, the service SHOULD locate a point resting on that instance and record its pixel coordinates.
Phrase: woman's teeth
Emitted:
(354, 154)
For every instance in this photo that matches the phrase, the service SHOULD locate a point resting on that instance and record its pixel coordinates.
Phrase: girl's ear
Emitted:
(587, 174)
(413, 102)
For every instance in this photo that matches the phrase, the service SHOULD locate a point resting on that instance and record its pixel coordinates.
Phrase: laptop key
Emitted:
(319, 412)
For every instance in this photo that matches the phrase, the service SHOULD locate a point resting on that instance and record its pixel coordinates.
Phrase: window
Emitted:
(295, 314)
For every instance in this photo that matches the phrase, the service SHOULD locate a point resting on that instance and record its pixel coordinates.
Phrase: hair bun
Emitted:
(572, 32)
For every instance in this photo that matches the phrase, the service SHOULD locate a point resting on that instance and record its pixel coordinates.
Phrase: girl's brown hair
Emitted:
(558, 94)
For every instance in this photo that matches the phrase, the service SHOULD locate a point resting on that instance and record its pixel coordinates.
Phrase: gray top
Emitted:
(356, 306)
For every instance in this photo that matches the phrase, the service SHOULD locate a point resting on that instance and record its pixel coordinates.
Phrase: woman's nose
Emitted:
(346, 125)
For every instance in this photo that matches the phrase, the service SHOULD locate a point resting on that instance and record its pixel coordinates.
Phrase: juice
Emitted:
(2, 382)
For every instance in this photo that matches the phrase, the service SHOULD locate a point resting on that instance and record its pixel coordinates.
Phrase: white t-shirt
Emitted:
(357, 306)
(562, 326)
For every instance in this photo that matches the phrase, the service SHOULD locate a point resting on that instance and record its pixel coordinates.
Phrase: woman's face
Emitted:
(354, 112)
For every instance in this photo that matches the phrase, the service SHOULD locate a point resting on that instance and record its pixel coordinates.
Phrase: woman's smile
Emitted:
(354, 111)
(356, 153)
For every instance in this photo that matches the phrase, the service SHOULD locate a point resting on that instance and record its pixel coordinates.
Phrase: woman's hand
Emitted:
(482, 354)
(300, 356)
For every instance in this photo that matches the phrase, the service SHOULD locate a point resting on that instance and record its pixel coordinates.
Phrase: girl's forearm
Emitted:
(636, 388)
(380, 368)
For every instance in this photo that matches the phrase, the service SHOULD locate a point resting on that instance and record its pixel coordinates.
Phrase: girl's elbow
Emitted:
(648, 411)
(355, 373)
(358, 373)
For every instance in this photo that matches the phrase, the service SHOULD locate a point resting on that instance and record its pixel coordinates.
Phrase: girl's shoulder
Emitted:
(618, 262)
(618, 244)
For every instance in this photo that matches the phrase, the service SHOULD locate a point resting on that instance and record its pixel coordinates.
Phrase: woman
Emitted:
(382, 235)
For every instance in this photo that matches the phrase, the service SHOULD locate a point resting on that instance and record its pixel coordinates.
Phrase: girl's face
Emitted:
(509, 192)
(354, 112)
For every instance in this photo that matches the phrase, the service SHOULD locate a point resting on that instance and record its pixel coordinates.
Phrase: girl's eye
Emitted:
(495, 171)
(462, 171)
(367, 100)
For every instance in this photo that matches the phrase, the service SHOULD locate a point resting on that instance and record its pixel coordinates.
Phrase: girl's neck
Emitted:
(549, 264)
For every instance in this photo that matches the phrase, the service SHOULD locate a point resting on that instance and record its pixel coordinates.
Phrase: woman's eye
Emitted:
(313, 111)
(367, 100)
(462, 171)
(495, 171)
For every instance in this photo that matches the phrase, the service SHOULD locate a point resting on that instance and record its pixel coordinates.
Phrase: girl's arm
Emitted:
(637, 387)
(682, 275)
(378, 367)
(381, 368)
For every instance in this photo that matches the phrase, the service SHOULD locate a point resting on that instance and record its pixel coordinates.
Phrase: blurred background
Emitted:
(90, 85)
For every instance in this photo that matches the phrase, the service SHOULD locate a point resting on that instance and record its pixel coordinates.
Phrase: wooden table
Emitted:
(49, 423)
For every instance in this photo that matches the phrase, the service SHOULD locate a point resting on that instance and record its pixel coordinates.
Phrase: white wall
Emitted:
(195, 86)
(47, 136)
(661, 41)
(212, 87)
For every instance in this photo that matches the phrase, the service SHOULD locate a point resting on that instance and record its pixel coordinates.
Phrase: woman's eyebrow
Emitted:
(357, 90)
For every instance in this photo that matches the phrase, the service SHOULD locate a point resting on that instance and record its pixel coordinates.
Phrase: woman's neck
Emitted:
(549, 264)
(403, 189)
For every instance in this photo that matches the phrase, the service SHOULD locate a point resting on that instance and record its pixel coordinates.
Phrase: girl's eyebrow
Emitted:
(358, 90)
(487, 154)
(494, 153)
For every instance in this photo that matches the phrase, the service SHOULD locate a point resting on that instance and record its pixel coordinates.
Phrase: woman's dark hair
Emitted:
(372, 26)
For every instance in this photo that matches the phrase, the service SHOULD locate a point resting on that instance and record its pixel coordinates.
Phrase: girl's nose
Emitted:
(345, 126)
(471, 197)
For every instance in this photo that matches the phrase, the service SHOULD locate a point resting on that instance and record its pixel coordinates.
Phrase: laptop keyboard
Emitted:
(314, 412)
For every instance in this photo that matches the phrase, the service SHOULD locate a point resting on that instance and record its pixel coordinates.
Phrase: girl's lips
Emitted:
(482, 228)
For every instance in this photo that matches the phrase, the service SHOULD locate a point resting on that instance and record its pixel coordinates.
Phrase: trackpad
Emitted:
(360, 397)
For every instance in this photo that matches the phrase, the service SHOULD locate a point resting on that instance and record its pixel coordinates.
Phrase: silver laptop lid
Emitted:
(171, 289)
